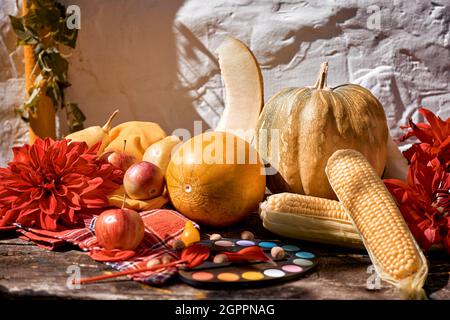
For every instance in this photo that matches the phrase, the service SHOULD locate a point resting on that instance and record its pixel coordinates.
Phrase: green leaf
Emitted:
(43, 17)
(24, 35)
(75, 117)
(66, 36)
(59, 66)
(31, 104)
(53, 91)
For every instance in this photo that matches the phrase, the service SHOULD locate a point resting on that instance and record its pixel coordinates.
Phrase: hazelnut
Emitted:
(215, 236)
(247, 235)
(153, 262)
(277, 253)
(167, 259)
(220, 258)
(178, 244)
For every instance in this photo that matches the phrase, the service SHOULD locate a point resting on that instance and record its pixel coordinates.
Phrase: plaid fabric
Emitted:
(162, 227)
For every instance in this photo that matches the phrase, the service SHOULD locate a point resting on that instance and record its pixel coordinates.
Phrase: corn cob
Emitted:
(309, 218)
(391, 246)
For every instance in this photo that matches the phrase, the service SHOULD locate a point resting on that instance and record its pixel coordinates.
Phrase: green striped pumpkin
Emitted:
(300, 128)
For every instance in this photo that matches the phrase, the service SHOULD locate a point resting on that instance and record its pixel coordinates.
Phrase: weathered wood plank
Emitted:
(29, 271)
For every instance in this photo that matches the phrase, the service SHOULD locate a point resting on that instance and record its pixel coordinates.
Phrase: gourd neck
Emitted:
(321, 81)
(108, 125)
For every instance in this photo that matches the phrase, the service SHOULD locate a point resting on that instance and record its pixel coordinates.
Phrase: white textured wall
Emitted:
(155, 60)
(12, 130)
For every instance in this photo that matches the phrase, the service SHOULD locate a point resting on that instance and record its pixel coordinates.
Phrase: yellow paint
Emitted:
(252, 275)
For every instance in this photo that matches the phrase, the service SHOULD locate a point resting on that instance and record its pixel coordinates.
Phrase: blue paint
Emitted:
(267, 244)
(290, 247)
(305, 255)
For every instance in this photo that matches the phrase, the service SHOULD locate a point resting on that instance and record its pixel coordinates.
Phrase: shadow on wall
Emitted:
(126, 58)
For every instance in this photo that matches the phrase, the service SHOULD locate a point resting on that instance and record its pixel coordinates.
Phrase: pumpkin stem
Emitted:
(322, 78)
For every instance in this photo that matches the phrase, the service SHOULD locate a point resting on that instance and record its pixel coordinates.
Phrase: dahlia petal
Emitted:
(74, 199)
(48, 204)
(95, 201)
(92, 185)
(47, 221)
(30, 220)
(23, 200)
(439, 128)
(9, 217)
(432, 235)
(21, 154)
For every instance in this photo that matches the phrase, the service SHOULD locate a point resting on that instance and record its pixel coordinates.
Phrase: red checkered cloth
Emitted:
(162, 227)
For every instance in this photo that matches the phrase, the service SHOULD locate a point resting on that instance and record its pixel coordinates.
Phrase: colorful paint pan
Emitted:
(245, 243)
(303, 262)
(305, 255)
(223, 275)
(291, 268)
(228, 276)
(274, 273)
(267, 244)
(252, 275)
(224, 243)
(290, 247)
(202, 276)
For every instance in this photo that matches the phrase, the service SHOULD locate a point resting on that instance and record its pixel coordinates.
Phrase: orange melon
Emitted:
(216, 179)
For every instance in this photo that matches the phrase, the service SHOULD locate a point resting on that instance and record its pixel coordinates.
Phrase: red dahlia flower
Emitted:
(49, 182)
(424, 202)
(424, 199)
(434, 138)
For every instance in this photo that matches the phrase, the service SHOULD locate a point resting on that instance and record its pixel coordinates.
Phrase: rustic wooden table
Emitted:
(27, 271)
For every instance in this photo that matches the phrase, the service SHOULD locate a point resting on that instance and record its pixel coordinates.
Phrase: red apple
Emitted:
(119, 229)
(119, 160)
(143, 180)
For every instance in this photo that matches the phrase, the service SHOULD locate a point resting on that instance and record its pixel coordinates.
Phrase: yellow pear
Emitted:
(243, 86)
(160, 152)
(94, 134)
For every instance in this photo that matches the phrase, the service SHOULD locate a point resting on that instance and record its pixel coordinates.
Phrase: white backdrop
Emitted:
(156, 61)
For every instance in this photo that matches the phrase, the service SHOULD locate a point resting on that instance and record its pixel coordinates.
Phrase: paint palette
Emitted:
(219, 275)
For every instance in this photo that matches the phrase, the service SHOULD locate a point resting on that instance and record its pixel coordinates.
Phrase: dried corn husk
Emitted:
(309, 218)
